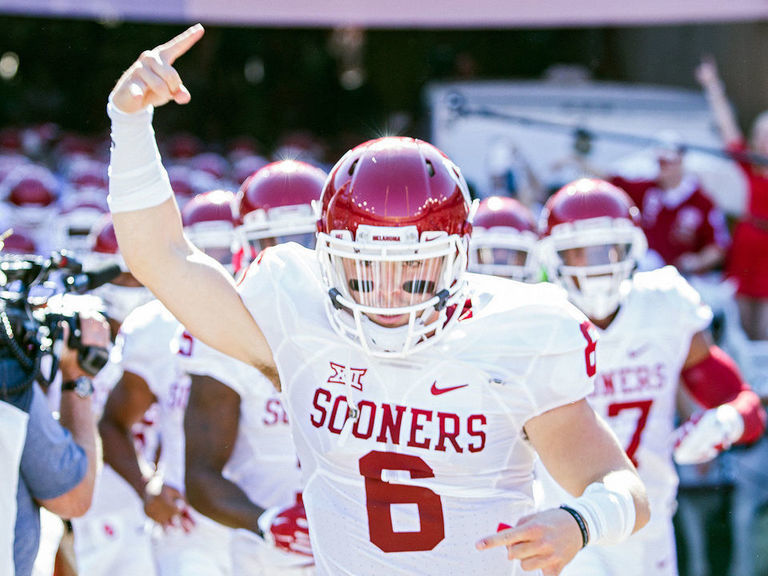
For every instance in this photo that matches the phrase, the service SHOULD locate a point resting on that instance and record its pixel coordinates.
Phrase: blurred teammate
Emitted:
(274, 205)
(504, 240)
(188, 544)
(114, 538)
(417, 398)
(241, 459)
(653, 334)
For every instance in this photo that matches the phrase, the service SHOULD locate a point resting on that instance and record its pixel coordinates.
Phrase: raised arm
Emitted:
(194, 287)
(707, 76)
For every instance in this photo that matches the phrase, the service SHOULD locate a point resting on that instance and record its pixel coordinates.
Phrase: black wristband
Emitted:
(580, 521)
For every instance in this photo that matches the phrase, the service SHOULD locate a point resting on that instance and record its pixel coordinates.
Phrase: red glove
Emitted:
(287, 528)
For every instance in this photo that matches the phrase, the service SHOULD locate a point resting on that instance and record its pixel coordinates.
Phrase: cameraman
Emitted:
(57, 464)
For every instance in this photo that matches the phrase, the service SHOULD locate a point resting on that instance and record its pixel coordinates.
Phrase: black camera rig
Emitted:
(30, 329)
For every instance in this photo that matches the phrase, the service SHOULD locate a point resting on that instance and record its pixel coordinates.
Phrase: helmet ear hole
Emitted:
(353, 166)
(430, 168)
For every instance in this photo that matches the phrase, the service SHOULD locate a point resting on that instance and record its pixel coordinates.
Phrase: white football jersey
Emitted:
(149, 351)
(263, 463)
(639, 359)
(436, 457)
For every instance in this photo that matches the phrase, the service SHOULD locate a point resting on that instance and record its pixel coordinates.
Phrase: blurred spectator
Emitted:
(510, 174)
(748, 260)
(573, 165)
(683, 225)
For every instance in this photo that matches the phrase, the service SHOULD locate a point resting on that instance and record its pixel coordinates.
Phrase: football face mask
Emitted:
(392, 298)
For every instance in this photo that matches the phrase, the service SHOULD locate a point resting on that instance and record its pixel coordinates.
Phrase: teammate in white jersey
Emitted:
(114, 538)
(653, 334)
(418, 397)
(244, 460)
(189, 544)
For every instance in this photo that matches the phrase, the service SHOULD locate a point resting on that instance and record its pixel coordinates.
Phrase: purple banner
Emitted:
(399, 13)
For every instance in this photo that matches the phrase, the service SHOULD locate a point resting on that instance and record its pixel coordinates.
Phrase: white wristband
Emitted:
(608, 510)
(137, 178)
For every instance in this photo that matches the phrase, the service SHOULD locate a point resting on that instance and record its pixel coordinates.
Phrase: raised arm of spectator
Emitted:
(147, 220)
(707, 75)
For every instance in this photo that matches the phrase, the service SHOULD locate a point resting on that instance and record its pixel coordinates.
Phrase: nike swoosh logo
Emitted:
(437, 391)
(638, 351)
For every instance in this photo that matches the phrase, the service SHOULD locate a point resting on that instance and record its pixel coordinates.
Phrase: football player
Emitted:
(114, 537)
(418, 399)
(504, 239)
(241, 458)
(653, 335)
(189, 543)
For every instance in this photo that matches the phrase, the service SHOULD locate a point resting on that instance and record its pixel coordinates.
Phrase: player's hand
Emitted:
(706, 434)
(545, 541)
(706, 72)
(168, 508)
(287, 529)
(152, 80)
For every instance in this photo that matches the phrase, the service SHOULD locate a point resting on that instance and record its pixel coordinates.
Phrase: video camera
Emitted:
(29, 328)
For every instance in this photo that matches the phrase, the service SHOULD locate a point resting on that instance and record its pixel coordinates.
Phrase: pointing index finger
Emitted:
(179, 45)
(503, 538)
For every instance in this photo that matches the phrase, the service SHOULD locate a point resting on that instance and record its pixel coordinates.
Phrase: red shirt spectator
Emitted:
(748, 261)
(682, 224)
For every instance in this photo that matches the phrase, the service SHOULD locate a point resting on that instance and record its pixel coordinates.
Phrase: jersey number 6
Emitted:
(380, 496)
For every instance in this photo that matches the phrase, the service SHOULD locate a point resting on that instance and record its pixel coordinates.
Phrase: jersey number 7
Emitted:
(645, 407)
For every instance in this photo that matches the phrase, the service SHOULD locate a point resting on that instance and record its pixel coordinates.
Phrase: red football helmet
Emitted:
(209, 224)
(504, 240)
(182, 145)
(79, 213)
(102, 238)
(212, 163)
(275, 205)
(31, 191)
(85, 173)
(591, 243)
(18, 243)
(11, 139)
(393, 233)
(31, 185)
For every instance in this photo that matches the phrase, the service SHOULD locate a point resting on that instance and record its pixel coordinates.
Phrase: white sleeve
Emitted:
(564, 372)
(693, 315)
